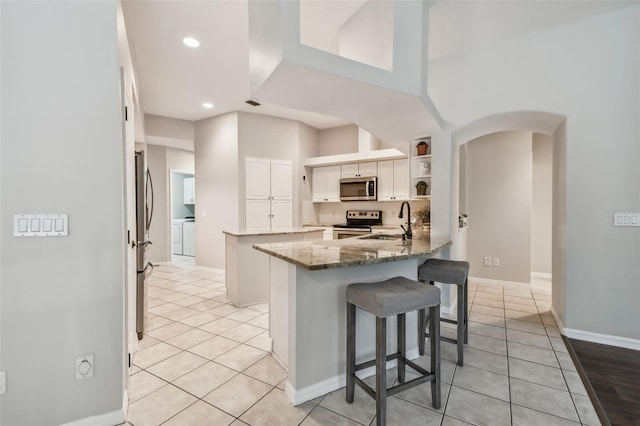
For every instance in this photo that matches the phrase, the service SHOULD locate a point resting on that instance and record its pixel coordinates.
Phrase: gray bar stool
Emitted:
(395, 296)
(448, 272)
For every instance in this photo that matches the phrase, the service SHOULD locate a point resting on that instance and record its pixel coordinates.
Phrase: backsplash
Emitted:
(333, 213)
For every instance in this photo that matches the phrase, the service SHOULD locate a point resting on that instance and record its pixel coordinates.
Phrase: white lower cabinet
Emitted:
(176, 237)
(281, 215)
(258, 215)
(189, 239)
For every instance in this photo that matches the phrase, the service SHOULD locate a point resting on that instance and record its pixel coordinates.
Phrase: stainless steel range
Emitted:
(359, 222)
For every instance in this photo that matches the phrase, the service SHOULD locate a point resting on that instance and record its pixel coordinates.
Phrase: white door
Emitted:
(385, 180)
(258, 174)
(281, 180)
(281, 215)
(401, 179)
(258, 215)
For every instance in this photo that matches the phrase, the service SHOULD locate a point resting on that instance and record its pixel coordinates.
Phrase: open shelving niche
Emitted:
(420, 168)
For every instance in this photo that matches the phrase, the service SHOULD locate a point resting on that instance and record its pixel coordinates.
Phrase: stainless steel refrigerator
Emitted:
(144, 214)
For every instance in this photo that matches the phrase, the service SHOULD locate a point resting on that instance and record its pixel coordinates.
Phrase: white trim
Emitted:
(449, 309)
(605, 339)
(588, 336)
(543, 275)
(500, 282)
(116, 417)
(299, 396)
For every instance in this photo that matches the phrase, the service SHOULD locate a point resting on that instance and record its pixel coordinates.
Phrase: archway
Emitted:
(549, 124)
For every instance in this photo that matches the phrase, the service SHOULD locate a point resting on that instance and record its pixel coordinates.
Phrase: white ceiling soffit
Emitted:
(388, 114)
(456, 26)
(175, 80)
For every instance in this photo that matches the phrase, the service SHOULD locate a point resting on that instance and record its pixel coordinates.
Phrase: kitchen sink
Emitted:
(382, 237)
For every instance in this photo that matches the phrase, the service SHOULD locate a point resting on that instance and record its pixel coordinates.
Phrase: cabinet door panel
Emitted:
(385, 180)
(401, 179)
(368, 169)
(332, 181)
(189, 190)
(318, 184)
(189, 239)
(349, 170)
(258, 212)
(282, 215)
(258, 175)
(281, 180)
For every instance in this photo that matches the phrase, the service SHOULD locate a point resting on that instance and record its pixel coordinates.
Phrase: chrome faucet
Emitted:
(407, 232)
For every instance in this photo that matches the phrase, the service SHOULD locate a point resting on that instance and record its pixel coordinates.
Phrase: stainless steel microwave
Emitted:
(359, 189)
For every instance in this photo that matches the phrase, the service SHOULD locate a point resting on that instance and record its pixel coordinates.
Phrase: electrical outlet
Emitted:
(496, 261)
(487, 261)
(3, 382)
(84, 367)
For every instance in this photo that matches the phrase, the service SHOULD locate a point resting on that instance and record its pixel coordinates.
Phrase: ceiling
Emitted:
(175, 80)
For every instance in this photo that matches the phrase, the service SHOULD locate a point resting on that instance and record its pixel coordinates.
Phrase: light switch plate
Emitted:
(626, 219)
(40, 225)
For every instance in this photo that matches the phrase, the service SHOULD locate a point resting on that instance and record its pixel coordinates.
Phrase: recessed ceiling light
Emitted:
(191, 42)
(207, 105)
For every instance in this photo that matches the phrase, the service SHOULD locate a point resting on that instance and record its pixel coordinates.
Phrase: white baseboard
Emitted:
(501, 282)
(298, 396)
(116, 417)
(588, 336)
(543, 275)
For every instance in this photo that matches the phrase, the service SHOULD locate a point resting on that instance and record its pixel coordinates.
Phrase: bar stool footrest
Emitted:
(425, 377)
(372, 363)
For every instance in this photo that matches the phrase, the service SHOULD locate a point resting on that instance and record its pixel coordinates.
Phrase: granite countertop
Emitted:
(329, 254)
(289, 231)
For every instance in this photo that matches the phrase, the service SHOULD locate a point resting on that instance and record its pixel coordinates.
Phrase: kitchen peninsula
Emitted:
(307, 307)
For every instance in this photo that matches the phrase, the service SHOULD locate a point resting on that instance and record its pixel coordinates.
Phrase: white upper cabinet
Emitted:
(269, 198)
(326, 183)
(359, 169)
(393, 180)
(189, 190)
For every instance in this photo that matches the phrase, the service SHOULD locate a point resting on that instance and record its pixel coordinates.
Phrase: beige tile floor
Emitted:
(205, 362)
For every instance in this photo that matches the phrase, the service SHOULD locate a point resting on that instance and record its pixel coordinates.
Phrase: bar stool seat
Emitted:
(395, 296)
(448, 272)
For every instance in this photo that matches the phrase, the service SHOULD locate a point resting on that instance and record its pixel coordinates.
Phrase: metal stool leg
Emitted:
(422, 325)
(351, 351)
(402, 346)
(460, 326)
(434, 314)
(466, 311)
(381, 371)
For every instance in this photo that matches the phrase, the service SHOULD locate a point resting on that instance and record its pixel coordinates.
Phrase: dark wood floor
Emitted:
(614, 375)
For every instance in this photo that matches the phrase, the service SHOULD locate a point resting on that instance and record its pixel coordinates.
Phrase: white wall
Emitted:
(217, 186)
(367, 36)
(572, 70)
(170, 132)
(541, 207)
(499, 205)
(61, 297)
(160, 161)
(338, 140)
